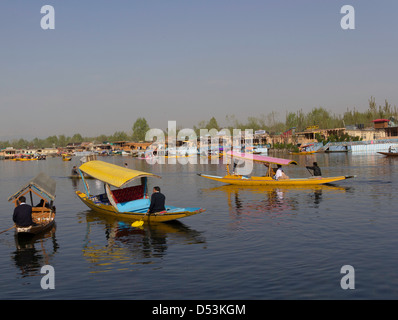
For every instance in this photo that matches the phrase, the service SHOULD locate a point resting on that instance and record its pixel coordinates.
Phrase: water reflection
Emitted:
(268, 199)
(33, 252)
(111, 243)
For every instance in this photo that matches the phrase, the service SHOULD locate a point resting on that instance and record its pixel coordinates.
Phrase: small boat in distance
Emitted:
(25, 159)
(43, 216)
(66, 157)
(308, 148)
(392, 151)
(268, 179)
(125, 202)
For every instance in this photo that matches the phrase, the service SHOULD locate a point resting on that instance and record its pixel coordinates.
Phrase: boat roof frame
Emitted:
(41, 185)
(258, 158)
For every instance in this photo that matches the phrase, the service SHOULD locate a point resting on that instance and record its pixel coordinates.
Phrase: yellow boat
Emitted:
(303, 152)
(268, 179)
(25, 159)
(176, 156)
(212, 155)
(125, 202)
(307, 149)
(66, 157)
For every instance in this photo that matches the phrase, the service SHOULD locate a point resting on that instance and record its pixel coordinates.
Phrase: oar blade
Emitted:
(137, 224)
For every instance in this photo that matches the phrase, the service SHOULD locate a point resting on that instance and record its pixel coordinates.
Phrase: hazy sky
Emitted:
(109, 62)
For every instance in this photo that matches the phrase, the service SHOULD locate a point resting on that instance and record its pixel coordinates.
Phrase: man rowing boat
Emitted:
(315, 168)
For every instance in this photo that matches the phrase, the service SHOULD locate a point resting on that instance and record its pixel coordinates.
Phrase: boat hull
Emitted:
(44, 220)
(303, 152)
(392, 154)
(171, 214)
(268, 181)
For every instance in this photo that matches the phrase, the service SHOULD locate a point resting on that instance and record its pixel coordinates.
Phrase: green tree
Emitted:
(212, 124)
(20, 144)
(76, 138)
(119, 136)
(62, 141)
(140, 129)
(101, 139)
(4, 144)
(51, 141)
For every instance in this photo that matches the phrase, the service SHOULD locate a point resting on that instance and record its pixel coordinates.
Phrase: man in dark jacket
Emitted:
(23, 214)
(157, 201)
(317, 170)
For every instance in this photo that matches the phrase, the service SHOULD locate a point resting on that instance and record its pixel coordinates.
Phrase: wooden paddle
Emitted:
(8, 229)
(306, 162)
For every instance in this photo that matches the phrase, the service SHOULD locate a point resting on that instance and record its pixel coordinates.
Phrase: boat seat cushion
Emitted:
(128, 194)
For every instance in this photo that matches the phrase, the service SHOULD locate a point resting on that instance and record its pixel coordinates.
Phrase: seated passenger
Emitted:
(157, 201)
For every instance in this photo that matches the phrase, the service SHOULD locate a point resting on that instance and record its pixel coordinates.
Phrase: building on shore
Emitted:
(11, 153)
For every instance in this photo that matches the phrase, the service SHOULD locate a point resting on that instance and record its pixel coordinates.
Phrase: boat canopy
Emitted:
(112, 174)
(42, 184)
(259, 158)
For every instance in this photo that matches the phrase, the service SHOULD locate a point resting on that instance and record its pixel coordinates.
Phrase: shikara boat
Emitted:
(43, 216)
(308, 149)
(389, 154)
(25, 159)
(303, 152)
(212, 155)
(268, 179)
(392, 151)
(125, 202)
(66, 157)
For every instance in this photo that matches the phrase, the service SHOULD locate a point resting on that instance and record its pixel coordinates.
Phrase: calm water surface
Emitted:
(251, 243)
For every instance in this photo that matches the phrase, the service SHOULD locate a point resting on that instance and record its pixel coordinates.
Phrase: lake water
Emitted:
(251, 243)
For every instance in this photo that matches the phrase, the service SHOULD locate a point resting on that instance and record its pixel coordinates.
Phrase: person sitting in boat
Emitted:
(280, 175)
(47, 205)
(391, 149)
(316, 169)
(74, 171)
(157, 201)
(41, 204)
(22, 216)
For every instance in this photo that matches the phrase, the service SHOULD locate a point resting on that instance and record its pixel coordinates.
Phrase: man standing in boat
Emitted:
(157, 201)
(23, 214)
(316, 169)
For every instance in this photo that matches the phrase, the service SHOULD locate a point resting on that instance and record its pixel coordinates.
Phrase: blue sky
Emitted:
(109, 62)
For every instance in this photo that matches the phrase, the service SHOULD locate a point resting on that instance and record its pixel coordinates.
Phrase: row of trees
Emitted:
(140, 127)
(270, 122)
(300, 120)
